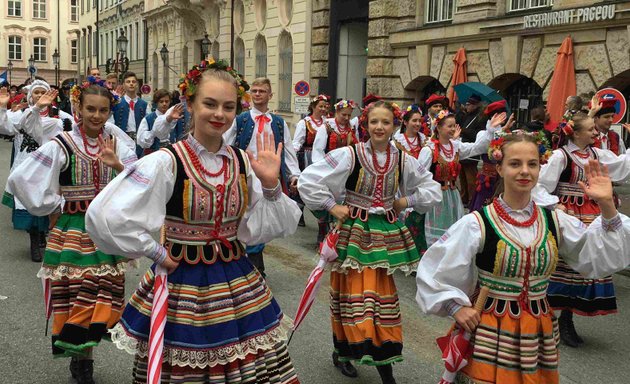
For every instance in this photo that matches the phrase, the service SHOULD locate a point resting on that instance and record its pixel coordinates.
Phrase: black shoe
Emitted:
(301, 223)
(86, 372)
(386, 373)
(567, 329)
(74, 367)
(347, 369)
(36, 253)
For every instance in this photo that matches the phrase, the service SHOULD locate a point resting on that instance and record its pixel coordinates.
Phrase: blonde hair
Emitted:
(213, 74)
(262, 81)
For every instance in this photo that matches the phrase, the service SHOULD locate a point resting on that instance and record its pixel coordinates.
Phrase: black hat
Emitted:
(474, 99)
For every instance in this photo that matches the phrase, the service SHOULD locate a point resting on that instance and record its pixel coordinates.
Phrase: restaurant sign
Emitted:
(569, 16)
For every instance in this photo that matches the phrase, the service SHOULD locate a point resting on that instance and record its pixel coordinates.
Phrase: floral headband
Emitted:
(494, 150)
(410, 110)
(77, 90)
(188, 83)
(319, 98)
(443, 114)
(398, 114)
(345, 104)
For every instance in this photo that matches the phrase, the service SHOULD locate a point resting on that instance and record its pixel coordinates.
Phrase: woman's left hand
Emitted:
(266, 165)
(108, 155)
(400, 205)
(599, 185)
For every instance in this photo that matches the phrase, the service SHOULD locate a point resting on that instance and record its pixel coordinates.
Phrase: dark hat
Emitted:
(436, 99)
(370, 98)
(496, 107)
(608, 106)
(474, 99)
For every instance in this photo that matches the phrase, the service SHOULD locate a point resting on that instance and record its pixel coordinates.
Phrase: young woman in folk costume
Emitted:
(366, 179)
(511, 246)
(569, 290)
(337, 132)
(223, 324)
(37, 125)
(441, 155)
(410, 140)
(87, 284)
(487, 177)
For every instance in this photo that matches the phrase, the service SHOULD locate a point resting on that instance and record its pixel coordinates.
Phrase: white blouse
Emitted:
(319, 146)
(401, 139)
(125, 215)
(618, 170)
(300, 131)
(323, 184)
(35, 182)
(447, 274)
(162, 131)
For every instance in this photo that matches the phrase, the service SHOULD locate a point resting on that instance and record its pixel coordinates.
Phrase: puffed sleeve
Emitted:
(289, 153)
(162, 128)
(300, 135)
(145, 137)
(319, 145)
(120, 135)
(481, 144)
(271, 214)
(131, 208)
(323, 184)
(425, 158)
(7, 127)
(548, 180)
(35, 182)
(618, 166)
(447, 273)
(32, 123)
(597, 250)
(421, 191)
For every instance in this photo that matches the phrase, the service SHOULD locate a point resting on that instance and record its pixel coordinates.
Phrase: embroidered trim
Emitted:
(613, 224)
(45, 160)
(70, 272)
(274, 193)
(350, 263)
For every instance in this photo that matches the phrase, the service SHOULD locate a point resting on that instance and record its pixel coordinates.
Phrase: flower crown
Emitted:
(494, 150)
(345, 104)
(443, 114)
(398, 114)
(319, 98)
(77, 90)
(188, 83)
(413, 108)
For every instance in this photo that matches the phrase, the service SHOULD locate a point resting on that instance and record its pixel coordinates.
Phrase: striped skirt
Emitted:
(569, 290)
(87, 287)
(509, 350)
(223, 325)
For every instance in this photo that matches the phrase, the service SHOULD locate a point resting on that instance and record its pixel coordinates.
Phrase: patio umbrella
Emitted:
(456, 347)
(563, 80)
(460, 74)
(158, 320)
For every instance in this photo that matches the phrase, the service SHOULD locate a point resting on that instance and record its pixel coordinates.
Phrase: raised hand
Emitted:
(120, 90)
(458, 132)
(177, 113)
(596, 105)
(510, 123)
(626, 126)
(266, 165)
(107, 154)
(598, 186)
(4, 97)
(498, 119)
(47, 99)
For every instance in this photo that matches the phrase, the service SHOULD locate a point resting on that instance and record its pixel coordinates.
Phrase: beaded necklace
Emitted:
(414, 146)
(96, 170)
(503, 214)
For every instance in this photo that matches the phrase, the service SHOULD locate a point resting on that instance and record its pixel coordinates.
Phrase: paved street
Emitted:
(26, 357)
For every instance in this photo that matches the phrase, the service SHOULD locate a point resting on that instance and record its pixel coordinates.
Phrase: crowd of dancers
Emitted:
(95, 187)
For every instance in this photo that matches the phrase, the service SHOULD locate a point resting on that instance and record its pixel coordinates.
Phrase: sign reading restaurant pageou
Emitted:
(570, 16)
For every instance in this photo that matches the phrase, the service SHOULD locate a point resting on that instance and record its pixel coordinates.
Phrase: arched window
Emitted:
(260, 47)
(285, 70)
(239, 56)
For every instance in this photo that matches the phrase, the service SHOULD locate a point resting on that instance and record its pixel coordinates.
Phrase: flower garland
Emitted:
(410, 110)
(188, 83)
(494, 150)
(341, 104)
(321, 97)
(77, 90)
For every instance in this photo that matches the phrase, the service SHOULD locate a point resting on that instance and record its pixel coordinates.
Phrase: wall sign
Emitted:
(569, 16)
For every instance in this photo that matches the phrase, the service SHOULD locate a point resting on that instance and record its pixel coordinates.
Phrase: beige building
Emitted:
(510, 45)
(87, 37)
(270, 39)
(36, 28)
(115, 18)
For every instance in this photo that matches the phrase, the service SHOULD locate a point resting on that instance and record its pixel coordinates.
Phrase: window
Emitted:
(74, 52)
(239, 56)
(15, 8)
(74, 11)
(522, 5)
(39, 49)
(440, 10)
(15, 48)
(260, 46)
(285, 71)
(39, 9)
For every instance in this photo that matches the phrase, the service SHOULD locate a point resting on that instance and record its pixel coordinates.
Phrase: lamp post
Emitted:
(164, 55)
(121, 63)
(205, 46)
(55, 58)
(31, 66)
(10, 68)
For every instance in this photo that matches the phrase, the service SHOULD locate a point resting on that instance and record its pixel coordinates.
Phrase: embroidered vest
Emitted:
(82, 177)
(192, 233)
(338, 140)
(121, 113)
(366, 189)
(311, 132)
(568, 190)
(445, 172)
(503, 265)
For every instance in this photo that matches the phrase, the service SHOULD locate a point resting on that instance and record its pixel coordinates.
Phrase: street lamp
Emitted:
(55, 58)
(205, 46)
(121, 63)
(31, 65)
(10, 68)
(164, 56)
(121, 44)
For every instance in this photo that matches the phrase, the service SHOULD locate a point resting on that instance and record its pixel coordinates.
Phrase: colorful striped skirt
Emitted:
(569, 290)
(440, 218)
(513, 350)
(86, 287)
(223, 325)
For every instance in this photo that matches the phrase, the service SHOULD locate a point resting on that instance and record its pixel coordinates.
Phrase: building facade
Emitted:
(261, 38)
(510, 45)
(117, 17)
(36, 28)
(87, 37)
